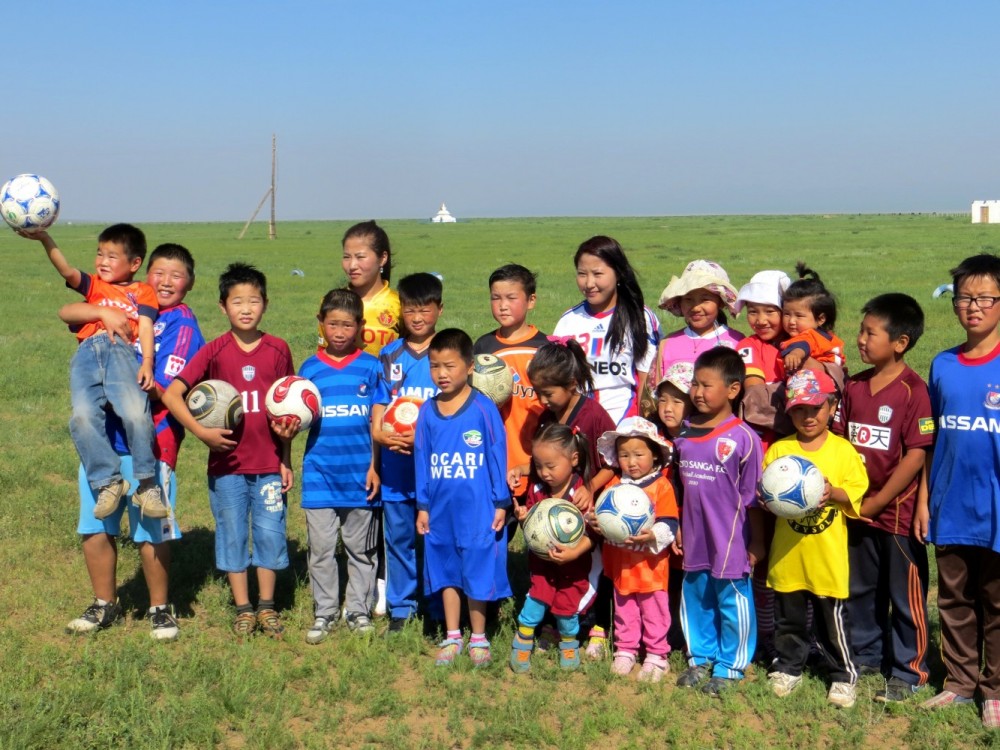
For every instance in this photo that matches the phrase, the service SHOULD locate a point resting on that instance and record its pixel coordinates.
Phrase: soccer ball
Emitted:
(29, 203)
(791, 487)
(552, 522)
(623, 511)
(493, 378)
(292, 396)
(401, 416)
(215, 403)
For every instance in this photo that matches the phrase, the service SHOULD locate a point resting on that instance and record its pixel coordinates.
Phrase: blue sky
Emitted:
(164, 111)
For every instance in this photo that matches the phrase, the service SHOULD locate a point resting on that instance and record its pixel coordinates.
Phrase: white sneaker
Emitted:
(782, 684)
(842, 694)
(320, 629)
(380, 606)
(163, 624)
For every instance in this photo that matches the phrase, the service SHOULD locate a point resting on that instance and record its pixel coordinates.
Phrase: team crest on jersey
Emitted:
(248, 372)
(395, 371)
(174, 365)
(386, 319)
(746, 354)
(992, 400)
(926, 425)
(363, 390)
(816, 522)
(724, 449)
(884, 414)
(473, 438)
(158, 327)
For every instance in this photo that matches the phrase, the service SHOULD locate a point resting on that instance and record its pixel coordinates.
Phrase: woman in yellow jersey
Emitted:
(367, 262)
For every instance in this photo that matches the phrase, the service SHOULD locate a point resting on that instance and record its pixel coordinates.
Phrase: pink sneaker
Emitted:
(623, 663)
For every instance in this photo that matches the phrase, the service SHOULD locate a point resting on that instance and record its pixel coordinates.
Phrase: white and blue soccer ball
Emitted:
(550, 523)
(623, 511)
(791, 487)
(29, 202)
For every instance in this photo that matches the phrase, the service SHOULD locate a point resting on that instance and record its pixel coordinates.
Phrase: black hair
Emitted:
(628, 321)
(378, 240)
(241, 273)
(810, 287)
(901, 315)
(728, 363)
(342, 300)
(173, 251)
(454, 339)
(562, 365)
(985, 264)
(568, 439)
(514, 272)
(420, 289)
(129, 237)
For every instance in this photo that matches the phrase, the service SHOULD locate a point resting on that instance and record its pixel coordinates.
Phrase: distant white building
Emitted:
(986, 212)
(443, 216)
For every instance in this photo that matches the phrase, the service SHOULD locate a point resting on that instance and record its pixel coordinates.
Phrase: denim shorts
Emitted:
(143, 529)
(249, 507)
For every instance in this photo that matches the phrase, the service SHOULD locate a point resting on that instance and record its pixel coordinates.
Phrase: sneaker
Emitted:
(480, 654)
(991, 714)
(548, 638)
(622, 664)
(598, 645)
(783, 684)
(397, 624)
(448, 650)
(109, 497)
(359, 622)
(149, 500)
(945, 698)
(96, 617)
(569, 654)
(245, 624)
(380, 609)
(693, 675)
(270, 624)
(653, 669)
(321, 628)
(520, 654)
(842, 694)
(716, 686)
(895, 691)
(163, 624)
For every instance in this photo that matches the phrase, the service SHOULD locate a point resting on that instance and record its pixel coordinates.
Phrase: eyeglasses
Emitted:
(963, 302)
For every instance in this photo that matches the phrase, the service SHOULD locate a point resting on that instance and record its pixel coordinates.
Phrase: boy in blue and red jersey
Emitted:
(405, 372)
(957, 508)
(460, 452)
(170, 272)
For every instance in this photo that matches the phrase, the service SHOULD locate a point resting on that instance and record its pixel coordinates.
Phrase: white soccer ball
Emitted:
(292, 396)
(552, 522)
(623, 511)
(216, 403)
(493, 378)
(29, 203)
(791, 487)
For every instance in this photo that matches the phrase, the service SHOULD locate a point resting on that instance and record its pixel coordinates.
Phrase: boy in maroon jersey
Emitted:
(886, 415)
(249, 469)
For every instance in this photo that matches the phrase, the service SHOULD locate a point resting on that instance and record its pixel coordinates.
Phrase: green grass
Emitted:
(120, 689)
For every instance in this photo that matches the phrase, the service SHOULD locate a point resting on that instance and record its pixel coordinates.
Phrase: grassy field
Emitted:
(120, 689)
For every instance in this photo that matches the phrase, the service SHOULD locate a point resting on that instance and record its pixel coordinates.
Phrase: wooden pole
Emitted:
(271, 233)
(254, 215)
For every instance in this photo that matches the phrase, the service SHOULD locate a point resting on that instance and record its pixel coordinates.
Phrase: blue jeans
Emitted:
(103, 373)
(245, 502)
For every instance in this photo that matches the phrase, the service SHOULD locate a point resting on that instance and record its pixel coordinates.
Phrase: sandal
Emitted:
(480, 654)
(448, 649)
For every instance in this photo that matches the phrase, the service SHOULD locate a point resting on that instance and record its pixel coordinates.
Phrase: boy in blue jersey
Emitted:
(405, 373)
(339, 478)
(959, 502)
(170, 271)
(460, 451)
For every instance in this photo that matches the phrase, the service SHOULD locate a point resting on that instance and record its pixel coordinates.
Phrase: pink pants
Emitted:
(645, 618)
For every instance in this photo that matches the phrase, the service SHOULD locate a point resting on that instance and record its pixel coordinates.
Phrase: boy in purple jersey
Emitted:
(885, 413)
(959, 503)
(170, 272)
(721, 525)
(249, 469)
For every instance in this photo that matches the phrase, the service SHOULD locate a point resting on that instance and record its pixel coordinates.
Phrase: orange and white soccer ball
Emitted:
(401, 416)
